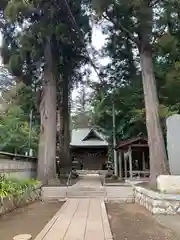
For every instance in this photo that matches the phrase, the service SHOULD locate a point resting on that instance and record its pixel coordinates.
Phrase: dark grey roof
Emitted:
(78, 138)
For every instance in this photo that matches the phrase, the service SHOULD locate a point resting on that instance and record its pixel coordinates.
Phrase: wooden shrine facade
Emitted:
(89, 148)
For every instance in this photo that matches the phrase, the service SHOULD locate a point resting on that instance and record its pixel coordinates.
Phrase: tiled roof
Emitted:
(78, 138)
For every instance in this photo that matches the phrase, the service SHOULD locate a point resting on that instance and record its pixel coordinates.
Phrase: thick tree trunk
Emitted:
(64, 134)
(158, 156)
(61, 132)
(47, 160)
(66, 123)
(61, 122)
(41, 173)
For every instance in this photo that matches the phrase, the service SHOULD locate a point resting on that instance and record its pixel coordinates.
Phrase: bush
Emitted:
(10, 187)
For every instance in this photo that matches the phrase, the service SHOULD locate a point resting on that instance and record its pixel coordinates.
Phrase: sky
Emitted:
(98, 41)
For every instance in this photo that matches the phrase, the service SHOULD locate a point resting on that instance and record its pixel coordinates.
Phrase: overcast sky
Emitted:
(98, 41)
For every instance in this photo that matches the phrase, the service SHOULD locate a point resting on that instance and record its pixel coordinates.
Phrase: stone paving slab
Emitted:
(89, 180)
(78, 219)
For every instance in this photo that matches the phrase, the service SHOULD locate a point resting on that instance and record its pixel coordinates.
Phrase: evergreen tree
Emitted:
(45, 54)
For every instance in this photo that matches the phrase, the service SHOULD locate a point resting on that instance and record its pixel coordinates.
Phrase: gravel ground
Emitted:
(134, 222)
(29, 219)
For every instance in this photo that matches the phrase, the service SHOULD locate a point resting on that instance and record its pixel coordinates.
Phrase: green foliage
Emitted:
(15, 65)
(101, 5)
(15, 131)
(122, 80)
(10, 187)
(17, 101)
(26, 30)
(167, 43)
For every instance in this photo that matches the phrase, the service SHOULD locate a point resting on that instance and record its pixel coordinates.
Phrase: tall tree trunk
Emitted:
(157, 151)
(47, 163)
(64, 134)
(61, 122)
(66, 123)
(158, 156)
(41, 173)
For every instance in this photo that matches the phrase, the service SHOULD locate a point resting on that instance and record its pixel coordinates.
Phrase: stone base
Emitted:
(54, 182)
(169, 184)
(157, 203)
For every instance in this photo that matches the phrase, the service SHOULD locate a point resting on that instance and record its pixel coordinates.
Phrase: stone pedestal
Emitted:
(169, 184)
(173, 143)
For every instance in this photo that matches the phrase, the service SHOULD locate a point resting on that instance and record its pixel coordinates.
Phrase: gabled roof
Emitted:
(128, 142)
(81, 137)
(93, 133)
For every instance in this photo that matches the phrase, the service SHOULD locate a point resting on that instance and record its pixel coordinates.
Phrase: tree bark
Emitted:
(41, 170)
(61, 122)
(66, 123)
(47, 153)
(158, 156)
(64, 131)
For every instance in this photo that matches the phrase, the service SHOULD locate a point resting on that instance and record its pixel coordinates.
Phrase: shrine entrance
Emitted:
(91, 152)
(90, 158)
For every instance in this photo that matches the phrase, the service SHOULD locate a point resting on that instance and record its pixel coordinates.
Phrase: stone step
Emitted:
(62, 192)
(86, 189)
(53, 193)
(121, 200)
(88, 194)
(84, 197)
(121, 193)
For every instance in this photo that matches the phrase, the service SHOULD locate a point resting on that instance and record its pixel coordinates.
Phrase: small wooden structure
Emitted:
(90, 148)
(133, 158)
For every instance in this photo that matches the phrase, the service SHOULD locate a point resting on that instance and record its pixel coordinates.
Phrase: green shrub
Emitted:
(10, 187)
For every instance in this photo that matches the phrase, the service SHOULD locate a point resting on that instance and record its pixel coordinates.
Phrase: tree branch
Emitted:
(121, 27)
(159, 34)
(153, 3)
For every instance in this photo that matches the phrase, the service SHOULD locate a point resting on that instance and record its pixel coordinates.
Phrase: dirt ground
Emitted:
(28, 219)
(134, 222)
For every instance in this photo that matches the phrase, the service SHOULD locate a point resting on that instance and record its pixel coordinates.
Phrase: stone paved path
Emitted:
(89, 180)
(78, 219)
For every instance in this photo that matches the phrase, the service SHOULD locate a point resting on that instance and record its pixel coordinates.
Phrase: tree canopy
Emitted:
(45, 50)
